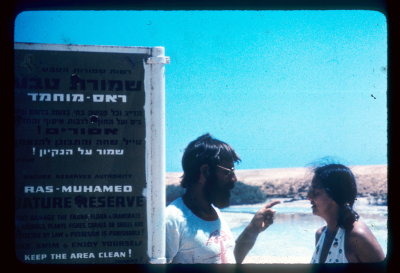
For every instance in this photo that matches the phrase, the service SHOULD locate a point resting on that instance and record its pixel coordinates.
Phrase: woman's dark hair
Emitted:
(204, 150)
(340, 184)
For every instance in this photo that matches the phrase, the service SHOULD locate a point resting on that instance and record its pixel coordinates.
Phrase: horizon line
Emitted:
(303, 167)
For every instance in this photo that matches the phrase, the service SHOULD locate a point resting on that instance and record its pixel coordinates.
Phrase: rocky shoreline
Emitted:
(256, 186)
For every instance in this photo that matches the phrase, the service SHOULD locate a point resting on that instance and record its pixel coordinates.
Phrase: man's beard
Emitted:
(216, 195)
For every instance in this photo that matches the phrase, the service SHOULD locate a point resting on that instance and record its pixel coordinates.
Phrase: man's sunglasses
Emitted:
(228, 171)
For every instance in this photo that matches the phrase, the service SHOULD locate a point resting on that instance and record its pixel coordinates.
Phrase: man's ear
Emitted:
(205, 171)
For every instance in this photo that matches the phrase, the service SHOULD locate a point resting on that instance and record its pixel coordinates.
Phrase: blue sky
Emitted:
(284, 88)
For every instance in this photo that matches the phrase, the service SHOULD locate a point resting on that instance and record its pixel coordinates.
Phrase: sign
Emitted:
(89, 153)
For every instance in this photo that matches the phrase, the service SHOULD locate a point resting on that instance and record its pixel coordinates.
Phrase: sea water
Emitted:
(292, 236)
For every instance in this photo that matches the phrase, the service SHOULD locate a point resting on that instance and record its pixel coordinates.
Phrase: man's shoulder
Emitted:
(175, 209)
(177, 203)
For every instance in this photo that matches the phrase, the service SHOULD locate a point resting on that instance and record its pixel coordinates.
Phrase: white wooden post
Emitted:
(155, 153)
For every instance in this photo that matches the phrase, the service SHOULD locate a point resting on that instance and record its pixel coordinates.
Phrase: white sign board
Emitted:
(89, 154)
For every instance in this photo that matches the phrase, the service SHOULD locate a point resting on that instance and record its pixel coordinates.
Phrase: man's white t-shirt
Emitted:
(190, 239)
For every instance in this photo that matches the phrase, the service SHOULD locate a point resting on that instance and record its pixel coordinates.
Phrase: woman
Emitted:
(344, 239)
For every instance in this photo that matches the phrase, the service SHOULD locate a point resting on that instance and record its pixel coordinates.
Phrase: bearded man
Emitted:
(196, 230)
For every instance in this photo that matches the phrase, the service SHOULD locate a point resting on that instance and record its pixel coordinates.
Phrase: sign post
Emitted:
(89, 154)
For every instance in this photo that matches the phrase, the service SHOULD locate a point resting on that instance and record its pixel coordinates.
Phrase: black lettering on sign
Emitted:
(78, 83)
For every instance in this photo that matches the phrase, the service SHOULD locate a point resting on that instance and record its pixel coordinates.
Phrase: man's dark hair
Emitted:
(204, 150)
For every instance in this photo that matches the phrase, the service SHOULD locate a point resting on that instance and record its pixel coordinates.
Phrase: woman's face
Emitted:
(322, 204)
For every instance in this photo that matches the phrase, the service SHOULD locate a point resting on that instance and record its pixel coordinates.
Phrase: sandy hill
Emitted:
(255, 186)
